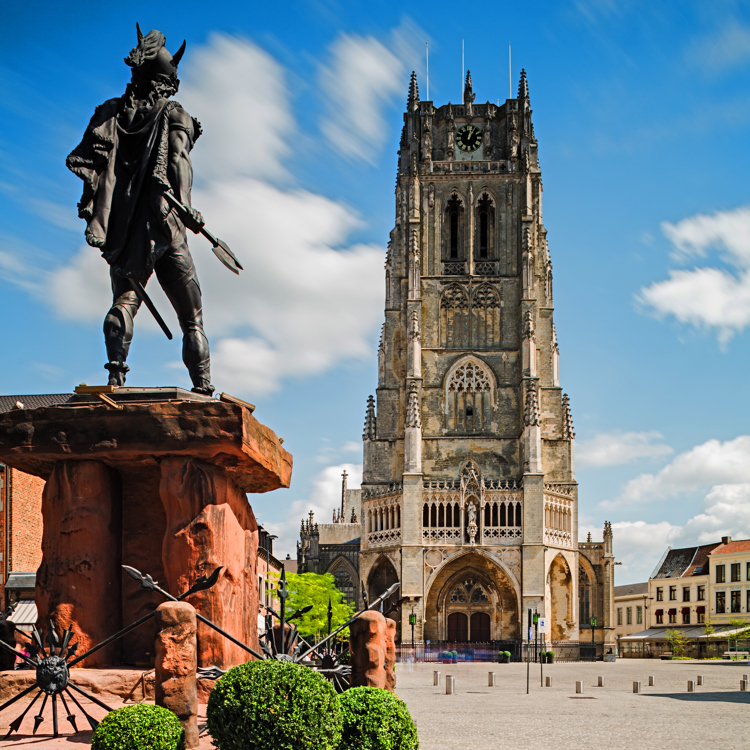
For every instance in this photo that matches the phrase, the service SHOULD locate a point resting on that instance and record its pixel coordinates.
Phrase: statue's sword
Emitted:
(143, 297)
(220, 248)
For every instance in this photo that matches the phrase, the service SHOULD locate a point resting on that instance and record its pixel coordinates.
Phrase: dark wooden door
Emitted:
(480, 627)
(458, 627)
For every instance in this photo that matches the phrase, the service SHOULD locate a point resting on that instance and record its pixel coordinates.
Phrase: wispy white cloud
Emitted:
(363, 77)
(709, 297)
(702, 467)
(614, 449)
(722, 48)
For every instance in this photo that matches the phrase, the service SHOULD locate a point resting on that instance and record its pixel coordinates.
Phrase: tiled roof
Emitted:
(741, 545)
(676, 563)
(33, 401)
(631, 589)
(699, 565)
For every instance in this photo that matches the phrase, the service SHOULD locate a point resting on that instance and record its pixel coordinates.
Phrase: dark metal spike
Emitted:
(19, 696)
(19, 654)
(69, 717)
(16, 723)
(72, 649)
(38, 640)
(66, 639)
(93, 723)
(55, 733)
(180, 52)
(92, 698)
(39, 718)
(202, 584)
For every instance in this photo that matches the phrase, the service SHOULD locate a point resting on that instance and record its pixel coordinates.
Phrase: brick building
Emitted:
(21, 522)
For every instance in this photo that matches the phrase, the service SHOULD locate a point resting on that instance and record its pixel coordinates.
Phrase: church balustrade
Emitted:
(502, 518)
(453, 268)
(383, 521)
(558, 520)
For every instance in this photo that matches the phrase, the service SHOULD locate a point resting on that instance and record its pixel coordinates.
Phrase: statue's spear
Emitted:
(220, 248)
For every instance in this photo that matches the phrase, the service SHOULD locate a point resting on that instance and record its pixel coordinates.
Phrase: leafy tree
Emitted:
(677, 642)
(742, 628)
(313, 589)
(708, 627)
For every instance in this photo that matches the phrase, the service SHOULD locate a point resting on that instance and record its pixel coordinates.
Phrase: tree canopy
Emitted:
(313, 589)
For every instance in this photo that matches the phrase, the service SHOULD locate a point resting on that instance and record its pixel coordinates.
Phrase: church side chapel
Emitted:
(469, 497)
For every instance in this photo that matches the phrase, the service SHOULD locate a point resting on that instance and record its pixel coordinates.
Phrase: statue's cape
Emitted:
(124, 173)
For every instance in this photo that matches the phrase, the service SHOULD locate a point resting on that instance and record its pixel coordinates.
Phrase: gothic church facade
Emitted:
(469, 497)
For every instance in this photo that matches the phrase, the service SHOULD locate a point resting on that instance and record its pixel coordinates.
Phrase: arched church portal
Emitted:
(472, 599)
(382, 576)
(560, 582)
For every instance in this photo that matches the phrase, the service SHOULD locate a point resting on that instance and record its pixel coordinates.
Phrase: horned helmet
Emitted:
(151, 59)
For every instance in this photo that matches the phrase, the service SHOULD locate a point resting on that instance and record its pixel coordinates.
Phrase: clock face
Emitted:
(469, 138)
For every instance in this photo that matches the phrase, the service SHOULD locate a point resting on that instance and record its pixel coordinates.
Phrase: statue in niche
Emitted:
(134, 160)
(472, 527)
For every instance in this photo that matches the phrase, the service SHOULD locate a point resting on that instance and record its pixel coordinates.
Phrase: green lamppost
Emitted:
(593, 627)
(412, 622)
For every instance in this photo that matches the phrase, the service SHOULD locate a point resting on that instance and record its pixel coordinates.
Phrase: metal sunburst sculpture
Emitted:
(53, 668)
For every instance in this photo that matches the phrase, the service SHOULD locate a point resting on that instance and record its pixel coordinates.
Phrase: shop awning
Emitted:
(672, 611)
(659, 612)
(24, 615)
(700, 610)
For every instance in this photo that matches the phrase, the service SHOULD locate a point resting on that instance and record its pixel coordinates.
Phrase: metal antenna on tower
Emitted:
(427, 58)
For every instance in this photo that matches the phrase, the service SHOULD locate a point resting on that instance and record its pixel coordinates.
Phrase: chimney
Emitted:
(726, 539)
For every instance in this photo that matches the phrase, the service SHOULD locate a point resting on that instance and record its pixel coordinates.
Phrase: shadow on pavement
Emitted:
(716, 697)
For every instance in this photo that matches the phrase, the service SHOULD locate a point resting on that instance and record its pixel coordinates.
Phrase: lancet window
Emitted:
(469, 396)
(470, 320)
(454, 212)
(485, 228)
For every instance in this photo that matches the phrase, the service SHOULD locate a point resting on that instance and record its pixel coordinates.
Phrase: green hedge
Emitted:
(274, 705)
(376, 719)
(138, 727)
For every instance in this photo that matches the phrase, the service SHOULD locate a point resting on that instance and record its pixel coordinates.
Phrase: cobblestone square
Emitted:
(478, 717)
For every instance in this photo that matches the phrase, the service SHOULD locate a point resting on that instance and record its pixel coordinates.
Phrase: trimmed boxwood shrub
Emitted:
(376, 719)
(136, 727)
(274, 705)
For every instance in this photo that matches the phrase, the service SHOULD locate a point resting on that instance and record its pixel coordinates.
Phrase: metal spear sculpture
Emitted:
(52, 667)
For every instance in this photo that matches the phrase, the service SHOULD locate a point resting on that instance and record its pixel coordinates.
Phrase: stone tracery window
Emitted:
(454, 215)
(470, 321)
(469, 396)
(485, 228)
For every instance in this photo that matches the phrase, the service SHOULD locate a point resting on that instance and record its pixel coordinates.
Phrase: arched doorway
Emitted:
(471, 599)
(382, 576)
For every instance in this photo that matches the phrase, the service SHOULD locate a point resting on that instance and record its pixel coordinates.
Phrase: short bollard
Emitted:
(579, 686)
(691, 686)
(436, 678)
(636, 687)
(699, 681)
(601, 681)
(743, 685)
(491, 679)
(651, 681)
(548, 681)
(450, 684)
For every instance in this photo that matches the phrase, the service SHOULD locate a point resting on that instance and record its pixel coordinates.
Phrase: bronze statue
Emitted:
(134, 160)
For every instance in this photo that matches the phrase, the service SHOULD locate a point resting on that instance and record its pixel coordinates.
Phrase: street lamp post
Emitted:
(412, 622)
(593, 628)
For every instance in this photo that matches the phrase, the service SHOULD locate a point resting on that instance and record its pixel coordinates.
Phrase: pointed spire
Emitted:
(531, 413)
(607, 530)
(568, 433)
(413, 101)
(523, 86)
(413, 412)
(370, 420)
(354, 516)
(588, 538)
(468, 88)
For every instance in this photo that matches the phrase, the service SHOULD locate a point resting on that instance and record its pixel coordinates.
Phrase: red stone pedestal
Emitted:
(368, 643)
(159, 485)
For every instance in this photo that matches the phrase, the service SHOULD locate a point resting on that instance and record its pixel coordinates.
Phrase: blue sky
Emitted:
(642, 112)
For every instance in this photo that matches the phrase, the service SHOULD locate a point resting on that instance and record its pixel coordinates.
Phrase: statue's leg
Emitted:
(177, 276)
(118, 328)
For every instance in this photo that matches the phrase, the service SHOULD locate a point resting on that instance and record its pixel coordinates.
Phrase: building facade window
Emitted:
(747, 603)
(659, 614)
(454, 215)
(701, 594)
(686, 593)
(700, 615)
(747, 572)
(639, 615)
(659, 594)
(735, 571)
(629, 615)
(721, 575)
(619, 615)
(686, 616)
(735, 601)
(721, 602)
(673, 593)
(469, 397)
(672, 616)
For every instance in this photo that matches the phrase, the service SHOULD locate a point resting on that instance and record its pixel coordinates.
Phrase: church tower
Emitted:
(469, 496)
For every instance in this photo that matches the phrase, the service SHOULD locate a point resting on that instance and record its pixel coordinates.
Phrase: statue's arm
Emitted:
(180, 170)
